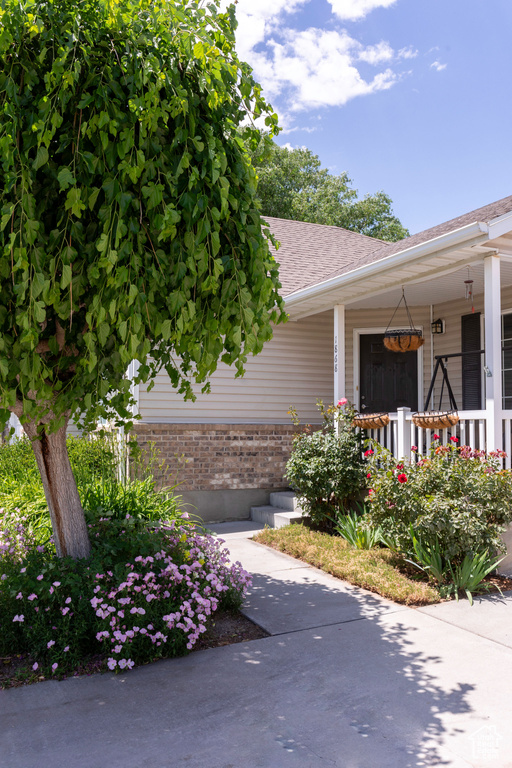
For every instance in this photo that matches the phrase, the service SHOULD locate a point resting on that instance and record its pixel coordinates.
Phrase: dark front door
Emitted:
(388, 380)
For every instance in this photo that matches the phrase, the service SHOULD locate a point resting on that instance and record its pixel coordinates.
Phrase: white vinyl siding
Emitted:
(294, 369)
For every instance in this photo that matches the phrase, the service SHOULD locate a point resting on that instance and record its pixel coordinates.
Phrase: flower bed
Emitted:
(146, 592)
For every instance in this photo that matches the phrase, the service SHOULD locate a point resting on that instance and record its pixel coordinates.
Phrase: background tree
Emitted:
(293, 185)
(129, 229)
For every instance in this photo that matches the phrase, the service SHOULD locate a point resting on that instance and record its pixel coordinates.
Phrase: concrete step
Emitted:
(275, 517)
(284, 500)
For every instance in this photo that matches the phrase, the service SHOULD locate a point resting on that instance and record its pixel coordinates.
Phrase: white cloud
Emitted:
(375, 54)
(312, 68)
(319, 67)
(353, 10)
(438, 66)
(257, 18)
(407, 53)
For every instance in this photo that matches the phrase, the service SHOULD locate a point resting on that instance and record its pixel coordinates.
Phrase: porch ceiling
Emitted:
(434, 281)
(435, 290)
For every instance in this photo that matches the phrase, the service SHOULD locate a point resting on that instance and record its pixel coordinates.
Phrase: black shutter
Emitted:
(471, 364)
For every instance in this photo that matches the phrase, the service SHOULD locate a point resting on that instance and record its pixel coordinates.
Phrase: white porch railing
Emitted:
(401, 434)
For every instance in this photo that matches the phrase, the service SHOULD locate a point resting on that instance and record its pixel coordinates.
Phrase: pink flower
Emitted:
(414, 447)
(33, 596)
(50, 643)
(35, 666)
(56, 583)
(66, 649)
(111, 663)
(39, 577)
(402, 478)
(54, 666)
(342, 402)
(68, 600)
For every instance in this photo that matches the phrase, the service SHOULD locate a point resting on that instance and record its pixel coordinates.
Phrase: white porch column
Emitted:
(493, 386)
(339, 354)
(403, 446)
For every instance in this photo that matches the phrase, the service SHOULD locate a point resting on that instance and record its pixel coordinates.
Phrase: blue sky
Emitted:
(407, 96)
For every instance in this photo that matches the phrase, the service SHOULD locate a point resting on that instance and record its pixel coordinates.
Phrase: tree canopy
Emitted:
(293, 185)
(129, 229)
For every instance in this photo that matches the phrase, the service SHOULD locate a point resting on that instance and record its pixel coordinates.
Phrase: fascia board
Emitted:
(454, 239)
(500, 226)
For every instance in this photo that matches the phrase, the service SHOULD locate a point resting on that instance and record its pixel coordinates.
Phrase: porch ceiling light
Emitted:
(437, 326)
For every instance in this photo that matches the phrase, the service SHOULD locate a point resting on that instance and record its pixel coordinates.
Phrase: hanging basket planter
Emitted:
(435, 419)
(371, 420)
(403, 339)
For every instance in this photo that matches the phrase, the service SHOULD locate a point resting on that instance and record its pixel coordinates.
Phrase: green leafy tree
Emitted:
(129, 229)
(293, 185)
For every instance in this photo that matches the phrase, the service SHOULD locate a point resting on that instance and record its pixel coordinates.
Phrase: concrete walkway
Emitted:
(346, 679)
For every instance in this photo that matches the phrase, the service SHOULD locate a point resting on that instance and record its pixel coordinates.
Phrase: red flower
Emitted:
(414, 447)
(436, 437)
(399, 466)
(402, 478)
(369, 452)
(455, 439)
(368, 475)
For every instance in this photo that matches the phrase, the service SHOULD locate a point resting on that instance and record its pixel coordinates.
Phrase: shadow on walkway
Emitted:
(359, 692)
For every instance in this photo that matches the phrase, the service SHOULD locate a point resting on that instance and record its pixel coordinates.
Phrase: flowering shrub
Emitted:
(456, 497)
(132, 609)
(327, 468)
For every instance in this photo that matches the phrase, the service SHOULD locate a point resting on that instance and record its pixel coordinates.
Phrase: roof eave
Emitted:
(454, 239)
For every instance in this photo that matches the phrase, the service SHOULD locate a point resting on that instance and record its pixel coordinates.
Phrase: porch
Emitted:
(473, 335)
(406, 440)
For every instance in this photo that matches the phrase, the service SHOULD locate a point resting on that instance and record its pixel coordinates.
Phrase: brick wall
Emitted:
(210, 457)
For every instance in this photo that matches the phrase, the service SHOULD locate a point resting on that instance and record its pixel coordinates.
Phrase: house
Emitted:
(229, 448)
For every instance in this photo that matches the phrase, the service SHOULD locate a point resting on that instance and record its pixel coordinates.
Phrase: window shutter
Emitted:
(471, 364)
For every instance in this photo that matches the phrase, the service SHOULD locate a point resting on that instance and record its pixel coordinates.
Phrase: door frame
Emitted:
(357, 333)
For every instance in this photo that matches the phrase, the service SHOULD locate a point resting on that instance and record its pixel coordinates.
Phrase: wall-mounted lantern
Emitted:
(437, 326)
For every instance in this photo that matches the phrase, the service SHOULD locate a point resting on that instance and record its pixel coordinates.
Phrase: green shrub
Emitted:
(137, 498)
(145, 592)
(455, 498)
(326, 468)
(91, 457)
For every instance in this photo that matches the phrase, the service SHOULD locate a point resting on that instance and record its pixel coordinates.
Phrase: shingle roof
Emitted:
(484, 214)
(312, 253)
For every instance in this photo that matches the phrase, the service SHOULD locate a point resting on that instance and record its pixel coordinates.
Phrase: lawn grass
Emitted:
(374, 569)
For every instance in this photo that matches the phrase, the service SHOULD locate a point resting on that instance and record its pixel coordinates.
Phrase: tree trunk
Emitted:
(66, 513)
